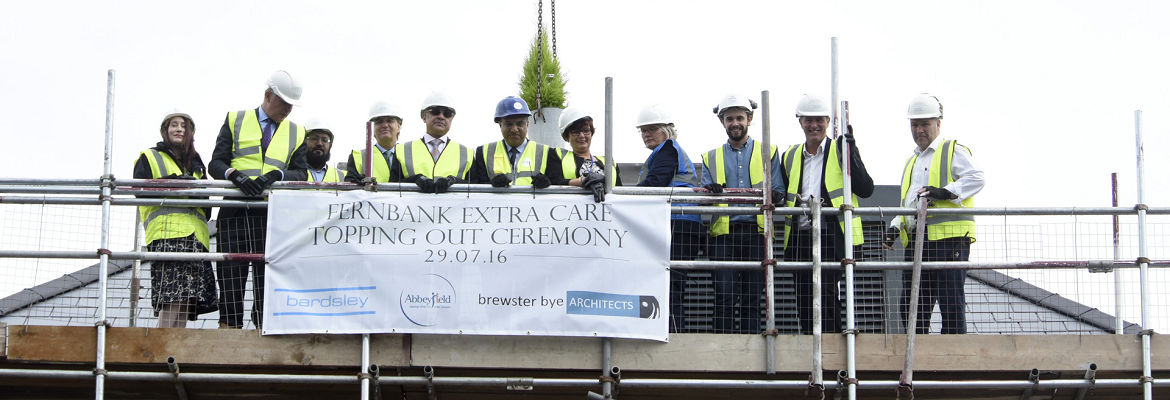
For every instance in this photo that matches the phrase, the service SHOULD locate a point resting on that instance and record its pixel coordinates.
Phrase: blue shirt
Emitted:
(737, 171)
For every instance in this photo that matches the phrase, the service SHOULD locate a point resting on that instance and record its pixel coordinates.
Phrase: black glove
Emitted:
(598, 189)
(501, 180)
(366, 180)
(935, 193)
(540, 181)
(593, 178)
(779, 197)
(177, 176)
(246, 184)
(714, 187)
(849, 135)
(267, 179)
(443, 183)
(425, 185)
(355, 177)
(890, 237)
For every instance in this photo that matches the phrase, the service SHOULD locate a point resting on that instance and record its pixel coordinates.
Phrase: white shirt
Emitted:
(811, 173)
(968, 181)
(442, 143)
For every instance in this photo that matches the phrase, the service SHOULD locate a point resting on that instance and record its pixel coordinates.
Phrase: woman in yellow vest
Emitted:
(583, 168)
(179, 290)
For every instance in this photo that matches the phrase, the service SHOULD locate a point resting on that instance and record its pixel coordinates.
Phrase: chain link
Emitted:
(553, 7)
(539, 51)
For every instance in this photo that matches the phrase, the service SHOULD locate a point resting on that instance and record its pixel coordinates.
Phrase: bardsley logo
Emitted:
(426, 299)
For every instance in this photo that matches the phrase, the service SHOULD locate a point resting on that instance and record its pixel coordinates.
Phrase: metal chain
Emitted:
(539, 52)
(553, 6)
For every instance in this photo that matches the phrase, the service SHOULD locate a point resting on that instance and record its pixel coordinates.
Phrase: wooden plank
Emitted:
(203, 347)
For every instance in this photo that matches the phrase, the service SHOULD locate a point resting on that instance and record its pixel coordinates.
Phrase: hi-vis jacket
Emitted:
(171, 222)
(714, 162)
(330, 175)
(415, 158)
(247, 135)
(569, 166)
(528, 163)
(939, 226)
(380, 169)
(684, 176)
(833, 180)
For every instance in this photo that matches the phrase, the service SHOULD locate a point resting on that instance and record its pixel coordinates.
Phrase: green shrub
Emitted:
(552, 88)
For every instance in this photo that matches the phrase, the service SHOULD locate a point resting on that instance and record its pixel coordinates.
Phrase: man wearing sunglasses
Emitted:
(434, 162)
(515, 160)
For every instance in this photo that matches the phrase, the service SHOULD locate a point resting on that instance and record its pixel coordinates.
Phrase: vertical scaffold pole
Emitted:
(136, 272)
(850, 323)
(1144, 263)
(606, 366)
(609, 166)
(1118, 321)
(365, 364)
(104, 258)
(833, 83)
(816, 384)
(769, 228)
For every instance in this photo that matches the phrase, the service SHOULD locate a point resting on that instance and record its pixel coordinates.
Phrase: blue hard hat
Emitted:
(510, 106)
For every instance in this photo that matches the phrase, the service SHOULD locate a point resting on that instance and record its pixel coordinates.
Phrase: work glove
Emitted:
(267, 179)
(935, 193)
(714, 187)
(425, 185)
(593, 178)
(540, 181)
(890, 237)
(177, 176)
(355, 177)
(367, 180)
(501, 180)
(849, 135)
(246, 184)
(779, 197)
(598, 189)
(443, 183)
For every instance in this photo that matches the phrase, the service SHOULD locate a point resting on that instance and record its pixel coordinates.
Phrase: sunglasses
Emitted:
(444, 111)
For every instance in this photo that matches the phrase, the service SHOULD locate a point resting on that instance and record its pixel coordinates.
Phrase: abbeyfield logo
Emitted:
(612, 304)
(427, 299)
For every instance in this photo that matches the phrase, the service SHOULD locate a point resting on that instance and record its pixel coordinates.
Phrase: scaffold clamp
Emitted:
(850, 331)
(104, 252)
(846, 262)
(100, 371)
(105, 323)
(1141, 207)
(1147, 332)
(1146, 379)
(364, 376)
(520, 383)
(770, 332)
(905, 391)
(1142, 260)
(846, 207)
(1100, 266)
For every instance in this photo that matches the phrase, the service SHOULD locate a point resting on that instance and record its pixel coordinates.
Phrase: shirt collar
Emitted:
(261, 115)
(428, 138)
(383, 149)
(519, 148)
(933, 145)
(746, 145)
(820, 146)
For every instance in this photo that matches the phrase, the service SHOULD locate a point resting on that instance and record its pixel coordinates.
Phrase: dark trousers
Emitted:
(685, 237)
(241, 232)
(743, 243)
(944, 287)
(800, 249)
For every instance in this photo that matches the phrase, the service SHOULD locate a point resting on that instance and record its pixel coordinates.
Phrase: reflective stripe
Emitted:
(534, 150)
(162, 166)
(408, 153)
(940, 175)
(239, 127)
(161, 211)
(464, 163)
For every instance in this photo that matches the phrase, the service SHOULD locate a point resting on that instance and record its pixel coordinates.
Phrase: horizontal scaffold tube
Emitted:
(563, 382)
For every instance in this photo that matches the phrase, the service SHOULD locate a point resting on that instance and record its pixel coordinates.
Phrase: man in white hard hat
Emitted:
(738, 164)
(319, 141)
(387, 124)
(515, 160)
(948, 237)
(812, 171)
(435, 161)
(255, 148)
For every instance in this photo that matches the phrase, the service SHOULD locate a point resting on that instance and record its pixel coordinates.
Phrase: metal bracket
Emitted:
(814, 389)
(100, 371)
(905, 391)
(850, 331)
(770, 332)
(104, 252)
(1146, 379)
(520, 383)
(1034, 377)
(1141, 207)
(1142, 260)
(1100, 266)
(1147, 332)
(842, 377)
(105, 323)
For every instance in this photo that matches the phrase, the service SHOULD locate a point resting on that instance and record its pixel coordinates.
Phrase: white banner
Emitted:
(460, 263)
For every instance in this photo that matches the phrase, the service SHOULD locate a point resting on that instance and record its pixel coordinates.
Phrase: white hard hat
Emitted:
(733, 100)
(924, 106)
(287, 86)
(568, 117)
(811, 105)
(654, 114)
(317, 123)
(175, 112)
(384, 109)
(436, 99)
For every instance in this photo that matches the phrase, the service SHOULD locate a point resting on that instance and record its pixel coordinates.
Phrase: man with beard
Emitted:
(739, 163)
(515, 160)
(387, 123)
(435, 161)
(319, 140)
(254, 149)
(812, 172)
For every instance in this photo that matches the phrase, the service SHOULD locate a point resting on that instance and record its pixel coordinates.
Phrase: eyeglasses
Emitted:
(319, 139)
(444, 111)
(583, 132)
(646, 130)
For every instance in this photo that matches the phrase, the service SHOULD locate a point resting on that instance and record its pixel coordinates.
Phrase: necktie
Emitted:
(435, 149)
(513, 154)
(387, 155)
(268, 128)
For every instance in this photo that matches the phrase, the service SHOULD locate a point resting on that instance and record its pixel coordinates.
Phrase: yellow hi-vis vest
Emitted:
(834, 180)
(939, 226)
(569, 166)
(171, 222)
(330, 175)
(380, 170)
(246, 138)
(415, 158)
(721, 225)
(528, 163)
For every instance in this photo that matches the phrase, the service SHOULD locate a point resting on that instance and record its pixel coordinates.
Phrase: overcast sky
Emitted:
(1043, 92)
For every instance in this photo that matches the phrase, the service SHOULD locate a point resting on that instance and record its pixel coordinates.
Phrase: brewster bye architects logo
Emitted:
(426, 299)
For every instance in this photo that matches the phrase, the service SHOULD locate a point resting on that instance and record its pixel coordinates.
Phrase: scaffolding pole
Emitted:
(1147, 374)
(816, 381)
(1118, 321)
(769, 237)
(848, 263)
(99, 371)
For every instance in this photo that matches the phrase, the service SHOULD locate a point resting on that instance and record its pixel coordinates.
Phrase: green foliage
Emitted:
(552, 89)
